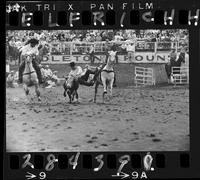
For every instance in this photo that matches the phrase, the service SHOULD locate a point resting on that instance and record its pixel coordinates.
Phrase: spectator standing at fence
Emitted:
(118, 37)
(98, 37)
(7, 68)
(186, 63)
(107, 46)
(171, 63)
(130, 51)
(91, 52)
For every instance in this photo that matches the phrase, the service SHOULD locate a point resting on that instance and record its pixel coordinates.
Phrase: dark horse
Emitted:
(174, 63)
(71, 86)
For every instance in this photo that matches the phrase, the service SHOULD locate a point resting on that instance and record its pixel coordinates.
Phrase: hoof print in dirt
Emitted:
(94, 137)
(151, 135)
(76, 145)
(156, 140)
(104, 145)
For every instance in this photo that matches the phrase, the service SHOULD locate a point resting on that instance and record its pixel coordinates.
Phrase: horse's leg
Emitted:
(104, 87)
(26, 89)
(111, 86)
(95, 91)
(76, 96)
(70, 97)
(37, 91)
(64, 86)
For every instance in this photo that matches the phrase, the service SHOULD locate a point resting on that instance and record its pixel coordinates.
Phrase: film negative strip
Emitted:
(102, 89)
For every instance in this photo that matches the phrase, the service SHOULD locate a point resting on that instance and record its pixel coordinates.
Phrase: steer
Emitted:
(71, 86)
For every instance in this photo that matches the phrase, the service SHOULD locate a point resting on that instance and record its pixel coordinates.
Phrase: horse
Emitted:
(71, 86)
(174, 63)
(106, 76)
(30, 77)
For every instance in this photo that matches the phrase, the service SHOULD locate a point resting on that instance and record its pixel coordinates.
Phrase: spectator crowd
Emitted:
(82, 40)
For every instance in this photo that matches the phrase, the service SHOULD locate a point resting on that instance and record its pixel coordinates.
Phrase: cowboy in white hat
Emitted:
(31, 48)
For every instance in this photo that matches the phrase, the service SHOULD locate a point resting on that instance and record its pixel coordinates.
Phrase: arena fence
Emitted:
(82, 48)
(144, 76)
(180, 75)
(69, 48)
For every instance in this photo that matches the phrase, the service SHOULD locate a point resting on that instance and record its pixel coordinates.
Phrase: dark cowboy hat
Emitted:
(72, 64)
(32, 41)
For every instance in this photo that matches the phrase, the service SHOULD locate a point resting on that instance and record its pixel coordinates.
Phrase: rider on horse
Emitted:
(81, 75)
(31, 47)
(110, 51)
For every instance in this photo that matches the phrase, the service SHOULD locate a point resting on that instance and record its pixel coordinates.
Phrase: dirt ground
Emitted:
(136, 119)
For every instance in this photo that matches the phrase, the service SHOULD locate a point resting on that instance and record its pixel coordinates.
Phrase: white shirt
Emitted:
(91, 49)
(130, 47)
(118, 38)
(7, 68)
(112, 53)
(77, 72)
(43, 72)
(27, 49)
(48, 72)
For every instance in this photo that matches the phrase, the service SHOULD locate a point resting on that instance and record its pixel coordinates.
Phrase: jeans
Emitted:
(35, 66)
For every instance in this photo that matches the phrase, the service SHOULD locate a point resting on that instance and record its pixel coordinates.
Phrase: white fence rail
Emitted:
(69, 48)
(180, 75)
(144, 76)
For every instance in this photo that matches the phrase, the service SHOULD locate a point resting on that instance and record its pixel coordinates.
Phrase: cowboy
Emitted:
(130, 50)
(7, 68)
(48, 72)
(10, 79)
(81, 75)
(91, 52)
(31, 47)
(55, 77)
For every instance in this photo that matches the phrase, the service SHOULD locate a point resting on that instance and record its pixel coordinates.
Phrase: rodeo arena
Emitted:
(97, 90)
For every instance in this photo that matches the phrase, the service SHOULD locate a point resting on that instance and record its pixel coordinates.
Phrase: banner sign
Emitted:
(146, 57)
